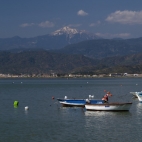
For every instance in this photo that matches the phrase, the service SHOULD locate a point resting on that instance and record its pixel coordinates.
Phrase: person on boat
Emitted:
(105, 97)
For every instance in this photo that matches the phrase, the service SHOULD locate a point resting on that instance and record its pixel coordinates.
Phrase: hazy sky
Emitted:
(107, 18)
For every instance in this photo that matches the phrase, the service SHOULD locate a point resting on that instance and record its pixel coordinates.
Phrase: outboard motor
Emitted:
(87, 101)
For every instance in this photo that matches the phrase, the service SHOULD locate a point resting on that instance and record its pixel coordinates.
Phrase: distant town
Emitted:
(54, 75)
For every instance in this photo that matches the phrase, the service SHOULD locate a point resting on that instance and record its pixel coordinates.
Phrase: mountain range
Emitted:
(55, 40)
(45, 62)
(102, 48)
(70, 51)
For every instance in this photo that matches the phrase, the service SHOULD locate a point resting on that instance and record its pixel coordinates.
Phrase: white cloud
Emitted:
(95, 24)
(46, 24)
(125, 17)
(27, 25)
(82, 13)
(109, 36)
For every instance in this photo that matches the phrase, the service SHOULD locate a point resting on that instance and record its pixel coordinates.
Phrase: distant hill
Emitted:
(72, 41)
(102, 48)
(55, 40)
(41, 62)
(119, 64)
(45, 62)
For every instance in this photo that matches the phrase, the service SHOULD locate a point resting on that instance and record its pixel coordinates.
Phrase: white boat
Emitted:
(134, 94)
(138, 95)
(108, 107)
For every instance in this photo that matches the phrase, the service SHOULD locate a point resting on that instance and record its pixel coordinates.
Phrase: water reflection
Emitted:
(26, 112)
(71, 111)
(139, 108)
(71, 108)
(107, 113)
(100, 121)
(15, 106)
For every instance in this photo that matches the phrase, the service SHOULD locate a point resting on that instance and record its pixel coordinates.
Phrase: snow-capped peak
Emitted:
(71, 33)
(66, 30)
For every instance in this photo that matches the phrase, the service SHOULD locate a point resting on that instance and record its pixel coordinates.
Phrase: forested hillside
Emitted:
(39, 62)
(102, 48)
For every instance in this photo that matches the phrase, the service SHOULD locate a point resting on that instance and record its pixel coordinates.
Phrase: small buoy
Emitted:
(16, 103)
(26, 107)
(53, 98)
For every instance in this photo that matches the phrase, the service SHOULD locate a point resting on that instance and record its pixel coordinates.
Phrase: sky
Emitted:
(105, 18)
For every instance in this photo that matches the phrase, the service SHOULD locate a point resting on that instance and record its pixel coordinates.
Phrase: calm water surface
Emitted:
(47, 121)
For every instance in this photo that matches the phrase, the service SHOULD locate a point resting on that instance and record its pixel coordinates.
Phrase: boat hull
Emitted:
(134, 94)
(77, 102)
(138, 95)
(109, 107)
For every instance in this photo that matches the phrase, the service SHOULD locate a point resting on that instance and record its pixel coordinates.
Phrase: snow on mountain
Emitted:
(68, 31)
(58, 39)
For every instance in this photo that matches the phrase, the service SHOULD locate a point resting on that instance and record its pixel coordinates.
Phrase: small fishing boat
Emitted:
(138, 95)
(78, 102)
(134, 94)
(108, 107)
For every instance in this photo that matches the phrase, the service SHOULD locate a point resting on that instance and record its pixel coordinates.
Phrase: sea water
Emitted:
(46, 120)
